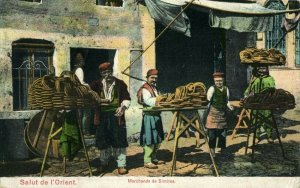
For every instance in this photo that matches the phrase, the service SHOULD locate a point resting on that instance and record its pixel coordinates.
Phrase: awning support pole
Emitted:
(131, 63)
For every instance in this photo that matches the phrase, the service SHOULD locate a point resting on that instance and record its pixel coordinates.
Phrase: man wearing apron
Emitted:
(216, 124)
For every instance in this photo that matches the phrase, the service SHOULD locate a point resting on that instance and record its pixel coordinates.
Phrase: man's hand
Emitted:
(104, 101)
(120, 111)
(231, 108)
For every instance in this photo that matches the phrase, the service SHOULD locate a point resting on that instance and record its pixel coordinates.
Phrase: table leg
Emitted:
(207, 145)
(64, 165)
(79, 118)
(47, 149)
(254, 137)
(176, 138)
(278, 136)
(249, 132)
(237, 126)
(38, 132)
(171, 126)
(197, 134)
(211, 157)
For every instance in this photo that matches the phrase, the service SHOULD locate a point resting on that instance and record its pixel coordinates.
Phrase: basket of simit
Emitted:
(63, 92)
(270, 99)
(256, 57)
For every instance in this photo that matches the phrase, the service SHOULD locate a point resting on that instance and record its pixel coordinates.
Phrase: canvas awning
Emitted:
(232, 7)
(241, 17)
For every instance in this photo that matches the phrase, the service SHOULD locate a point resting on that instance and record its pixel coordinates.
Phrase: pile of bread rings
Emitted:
(190, 95)
(270, 98)
(64, 92)
(262, 56)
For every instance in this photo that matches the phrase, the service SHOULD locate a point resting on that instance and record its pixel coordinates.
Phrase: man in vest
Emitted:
(216, 124)
(152, 133)
(111, 133)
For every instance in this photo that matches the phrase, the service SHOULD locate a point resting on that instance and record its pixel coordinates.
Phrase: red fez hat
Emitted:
(218, 75)
(152, 72)
(105, 66)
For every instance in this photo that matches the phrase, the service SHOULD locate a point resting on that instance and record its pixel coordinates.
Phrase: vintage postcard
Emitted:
(154, 93)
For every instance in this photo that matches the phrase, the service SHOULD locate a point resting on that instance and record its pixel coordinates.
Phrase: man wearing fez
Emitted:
(216, 124)
(111, 134)
(152, 133)
(261, 80)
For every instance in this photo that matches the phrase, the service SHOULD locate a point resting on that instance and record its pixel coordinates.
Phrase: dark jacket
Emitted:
(121, 91)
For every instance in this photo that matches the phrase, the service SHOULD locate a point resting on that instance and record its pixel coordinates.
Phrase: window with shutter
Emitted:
(273, 37)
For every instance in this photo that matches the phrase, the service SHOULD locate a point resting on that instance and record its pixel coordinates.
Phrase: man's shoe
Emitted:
(102, 168)
(88, 136)
(158, 162)
(197, 144)
(122, 170)
(225, 153)
(270, 140)
(150, 166)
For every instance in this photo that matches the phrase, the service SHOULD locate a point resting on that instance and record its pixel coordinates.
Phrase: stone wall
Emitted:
(289, 80)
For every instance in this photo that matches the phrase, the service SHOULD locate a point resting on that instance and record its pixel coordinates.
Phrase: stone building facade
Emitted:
(288, 76)
(44, 35)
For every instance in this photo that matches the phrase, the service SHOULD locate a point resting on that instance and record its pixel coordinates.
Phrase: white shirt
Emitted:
(80, 75)
(108, 94)
(147, 98)
(211, 91)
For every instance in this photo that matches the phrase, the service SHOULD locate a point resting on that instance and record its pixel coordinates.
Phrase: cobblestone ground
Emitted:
(191, 161)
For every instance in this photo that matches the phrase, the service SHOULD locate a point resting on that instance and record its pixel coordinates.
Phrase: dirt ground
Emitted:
(191, 161)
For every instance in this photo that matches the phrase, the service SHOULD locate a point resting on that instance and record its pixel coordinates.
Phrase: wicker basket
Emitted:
(64, 92)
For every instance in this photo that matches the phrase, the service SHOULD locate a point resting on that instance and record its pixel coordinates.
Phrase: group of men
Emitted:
(109, 118)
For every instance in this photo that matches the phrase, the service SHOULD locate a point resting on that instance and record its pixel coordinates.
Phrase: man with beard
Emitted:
(216, 123)
(261, 80)
(152, 133)
(111, 133)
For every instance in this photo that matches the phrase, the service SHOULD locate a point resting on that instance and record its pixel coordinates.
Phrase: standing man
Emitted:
(152, 133)
(85, 113)
(261, 80)
(111, 133)
(216, 124)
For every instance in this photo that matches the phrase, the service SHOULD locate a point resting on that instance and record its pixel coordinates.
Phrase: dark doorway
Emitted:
(182, 59)
(93, 58)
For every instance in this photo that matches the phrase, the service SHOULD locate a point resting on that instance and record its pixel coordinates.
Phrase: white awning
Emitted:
(232, 7)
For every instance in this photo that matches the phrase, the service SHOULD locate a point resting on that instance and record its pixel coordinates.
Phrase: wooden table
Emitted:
(257, 116)
(181, 127)
(243, 117)
(52, 134)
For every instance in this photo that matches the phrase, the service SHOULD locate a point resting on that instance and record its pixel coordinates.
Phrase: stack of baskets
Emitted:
(190, 95)
(64, 92)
